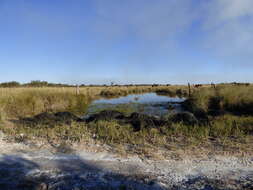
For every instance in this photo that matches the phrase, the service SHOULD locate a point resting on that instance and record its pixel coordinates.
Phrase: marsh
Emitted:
(147, 103)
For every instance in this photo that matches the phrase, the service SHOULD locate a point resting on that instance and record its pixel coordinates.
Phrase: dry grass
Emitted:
(25, 102)
(225, 132)
(219, 137)
(228, 98)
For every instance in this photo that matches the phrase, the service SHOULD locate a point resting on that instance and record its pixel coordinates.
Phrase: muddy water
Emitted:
(148, 103)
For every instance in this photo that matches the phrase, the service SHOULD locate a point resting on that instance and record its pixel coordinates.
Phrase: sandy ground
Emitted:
(23, 166)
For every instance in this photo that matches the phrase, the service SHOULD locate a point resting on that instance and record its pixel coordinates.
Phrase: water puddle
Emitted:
(148, 103)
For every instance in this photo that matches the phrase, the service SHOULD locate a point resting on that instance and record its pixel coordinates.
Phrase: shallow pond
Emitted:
(148, 103)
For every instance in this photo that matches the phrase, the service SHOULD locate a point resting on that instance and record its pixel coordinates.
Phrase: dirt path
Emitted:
(25, 167)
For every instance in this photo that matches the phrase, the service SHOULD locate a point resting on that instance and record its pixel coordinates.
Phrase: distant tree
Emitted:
(10, 84)
(37, 83)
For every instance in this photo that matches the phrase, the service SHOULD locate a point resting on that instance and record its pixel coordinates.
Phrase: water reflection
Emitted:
(148, 103)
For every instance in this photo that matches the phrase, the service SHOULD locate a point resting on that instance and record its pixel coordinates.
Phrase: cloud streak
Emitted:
(144, 19)
(228, 28)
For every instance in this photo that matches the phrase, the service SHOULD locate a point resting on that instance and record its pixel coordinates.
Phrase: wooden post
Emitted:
(189, 88)
(213, 85)
(77, 90)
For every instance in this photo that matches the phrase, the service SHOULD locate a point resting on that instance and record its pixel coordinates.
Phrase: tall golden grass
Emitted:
(228, 98)
(24, 102)
(29, 101)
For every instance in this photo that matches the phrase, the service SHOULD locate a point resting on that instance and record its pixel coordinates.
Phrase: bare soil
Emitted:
(39, 166)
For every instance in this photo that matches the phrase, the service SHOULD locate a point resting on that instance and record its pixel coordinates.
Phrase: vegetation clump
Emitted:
(136, 120)
(172, 92)
(222, 99)
(50, 119)
(166, 92)
(105, 115)
(186, 118)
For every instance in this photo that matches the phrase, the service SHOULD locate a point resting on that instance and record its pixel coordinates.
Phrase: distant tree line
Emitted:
(237, 83)
(9, 84)
(38, 83)
(34, 83)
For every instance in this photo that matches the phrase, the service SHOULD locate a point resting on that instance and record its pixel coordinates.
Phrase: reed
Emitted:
(222, 99)
(29, 101)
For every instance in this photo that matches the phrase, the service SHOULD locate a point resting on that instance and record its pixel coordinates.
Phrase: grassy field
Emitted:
(25, 102)
(228, 109)
(223, 98)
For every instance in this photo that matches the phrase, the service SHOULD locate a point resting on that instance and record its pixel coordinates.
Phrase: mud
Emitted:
(106, 115)
(137, 120)
(50, 118)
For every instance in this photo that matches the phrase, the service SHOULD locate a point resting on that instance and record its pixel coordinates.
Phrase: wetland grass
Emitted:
(231, 128)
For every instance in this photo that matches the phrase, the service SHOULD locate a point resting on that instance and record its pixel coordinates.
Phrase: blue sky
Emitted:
(126, 41)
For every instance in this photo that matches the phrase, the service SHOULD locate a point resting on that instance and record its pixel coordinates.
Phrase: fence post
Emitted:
(213, 85)
(77, 90)
(189, 88)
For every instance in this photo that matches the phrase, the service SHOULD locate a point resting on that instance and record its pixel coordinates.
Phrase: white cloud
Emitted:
(228, 28)
(226, 25)
(146, 20)
(229, 10)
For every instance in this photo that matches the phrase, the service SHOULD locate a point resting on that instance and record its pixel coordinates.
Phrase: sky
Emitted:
(126, 41)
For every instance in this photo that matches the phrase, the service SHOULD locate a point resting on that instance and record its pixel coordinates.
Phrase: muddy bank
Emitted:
(137, 120)
(47, 118)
